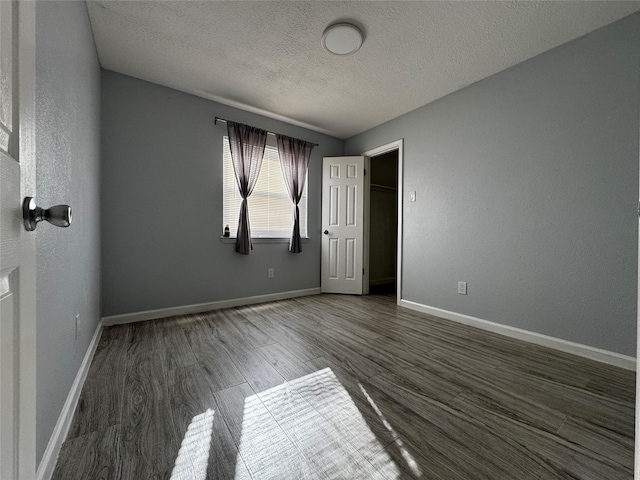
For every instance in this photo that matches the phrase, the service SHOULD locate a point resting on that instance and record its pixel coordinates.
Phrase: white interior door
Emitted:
(17, 246)
(342, 224)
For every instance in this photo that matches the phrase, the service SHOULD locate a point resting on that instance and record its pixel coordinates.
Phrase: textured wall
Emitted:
(162, 203)
(527, 188)
(68, 148)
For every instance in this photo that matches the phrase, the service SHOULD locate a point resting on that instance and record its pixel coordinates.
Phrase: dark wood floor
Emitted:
(343, 387)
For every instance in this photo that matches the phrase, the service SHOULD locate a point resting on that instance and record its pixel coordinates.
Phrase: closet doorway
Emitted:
(383, 255)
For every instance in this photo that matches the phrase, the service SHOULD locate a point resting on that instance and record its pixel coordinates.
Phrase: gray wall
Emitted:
(67, 148)
(162, 203)
(527, 188)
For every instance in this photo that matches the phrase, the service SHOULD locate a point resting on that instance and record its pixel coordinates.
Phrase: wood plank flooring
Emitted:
(343, 387)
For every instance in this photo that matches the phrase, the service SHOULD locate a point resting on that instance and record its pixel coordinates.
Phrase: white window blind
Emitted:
(270, 208)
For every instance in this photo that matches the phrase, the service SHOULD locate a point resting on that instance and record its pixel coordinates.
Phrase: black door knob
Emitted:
(60, 215)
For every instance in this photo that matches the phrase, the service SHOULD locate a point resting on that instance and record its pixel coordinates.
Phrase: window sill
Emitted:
(262, 240)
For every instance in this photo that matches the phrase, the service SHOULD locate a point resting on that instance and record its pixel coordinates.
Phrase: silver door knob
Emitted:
(60, 215)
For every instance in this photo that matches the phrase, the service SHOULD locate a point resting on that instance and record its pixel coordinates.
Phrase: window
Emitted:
(270, 207)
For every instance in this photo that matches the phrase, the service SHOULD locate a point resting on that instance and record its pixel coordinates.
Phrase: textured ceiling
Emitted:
(266, 56)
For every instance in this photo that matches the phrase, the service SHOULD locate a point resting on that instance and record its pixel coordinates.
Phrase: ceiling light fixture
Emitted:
(342, 38)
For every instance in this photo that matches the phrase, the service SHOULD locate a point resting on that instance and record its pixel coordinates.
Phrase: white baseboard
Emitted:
(593, 353)
(59, 435)
(204, 307)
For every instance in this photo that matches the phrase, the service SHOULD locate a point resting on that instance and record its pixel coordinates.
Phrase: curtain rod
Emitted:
(218, 119)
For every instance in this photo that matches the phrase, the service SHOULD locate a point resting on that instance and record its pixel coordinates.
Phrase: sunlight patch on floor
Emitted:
(408, 458)
(311, 427)
(193, 456)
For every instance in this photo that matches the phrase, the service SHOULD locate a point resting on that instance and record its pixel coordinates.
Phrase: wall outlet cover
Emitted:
(462, 288)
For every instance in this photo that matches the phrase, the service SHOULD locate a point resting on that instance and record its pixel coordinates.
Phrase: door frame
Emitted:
(636, 463)
(374, 152)
(28, 324)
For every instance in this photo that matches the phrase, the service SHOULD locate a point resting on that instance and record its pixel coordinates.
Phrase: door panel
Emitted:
(6, 74)
(350, 261)
(333, 258)
(352, 211)
(334, 205)
(7, 376)
(17, 246)
(343, 222)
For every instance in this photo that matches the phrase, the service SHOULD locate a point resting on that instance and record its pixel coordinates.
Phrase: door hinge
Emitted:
(363, 271)
(638, 208)
(365, 173)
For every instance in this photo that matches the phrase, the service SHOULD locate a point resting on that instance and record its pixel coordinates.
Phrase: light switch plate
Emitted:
(412, 196)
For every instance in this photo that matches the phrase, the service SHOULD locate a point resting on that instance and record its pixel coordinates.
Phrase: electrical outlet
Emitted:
(462, 288)
(412, 196)
(271, 272)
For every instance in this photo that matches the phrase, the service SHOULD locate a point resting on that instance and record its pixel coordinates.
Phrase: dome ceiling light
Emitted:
(342, 38)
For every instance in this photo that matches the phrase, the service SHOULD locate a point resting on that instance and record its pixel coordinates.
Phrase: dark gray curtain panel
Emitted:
(247, 149)
(294, 160)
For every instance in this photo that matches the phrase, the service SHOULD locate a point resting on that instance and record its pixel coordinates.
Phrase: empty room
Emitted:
(319, 239)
